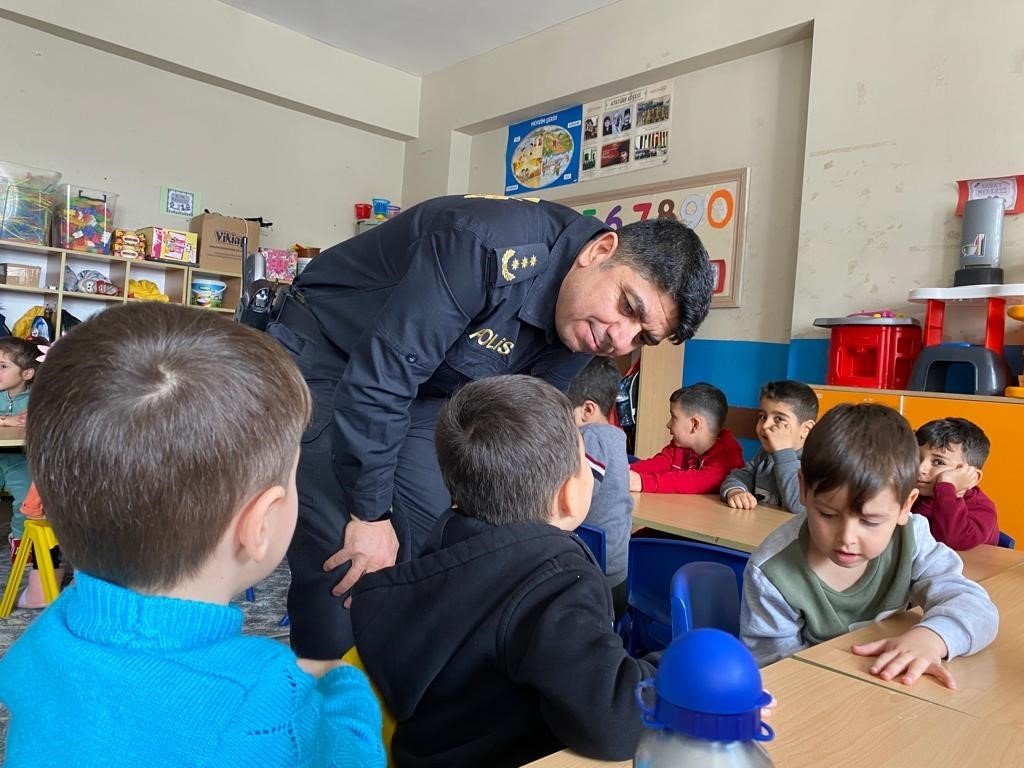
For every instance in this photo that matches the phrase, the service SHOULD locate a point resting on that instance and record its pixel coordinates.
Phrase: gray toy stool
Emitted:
(929, 375)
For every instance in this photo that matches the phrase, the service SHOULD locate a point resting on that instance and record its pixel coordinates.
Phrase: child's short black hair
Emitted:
(945, 433)
(703, 398)
(864, 448)
(796, 395)
(150, 425)
(23, 353)
(599, 382)
(505, 445)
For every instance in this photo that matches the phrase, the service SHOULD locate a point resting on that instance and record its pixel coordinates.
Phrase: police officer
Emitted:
(388, 324)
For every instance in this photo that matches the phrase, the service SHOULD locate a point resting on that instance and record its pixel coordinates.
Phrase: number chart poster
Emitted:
(544, 152)
(626, 132)
(714, 206)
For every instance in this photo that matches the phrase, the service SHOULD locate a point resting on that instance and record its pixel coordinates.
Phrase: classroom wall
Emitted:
(903, 99)
(109, 122)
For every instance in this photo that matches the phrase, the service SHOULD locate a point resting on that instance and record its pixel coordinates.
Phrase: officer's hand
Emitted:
(369, 547)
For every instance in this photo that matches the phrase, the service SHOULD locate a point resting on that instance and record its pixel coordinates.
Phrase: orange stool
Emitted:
(38, 536)
(1016, 312)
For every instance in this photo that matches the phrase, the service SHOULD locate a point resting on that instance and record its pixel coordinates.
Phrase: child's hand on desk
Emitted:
(635, 483)
(740, 499)
(317, 667)
(916, 652)
(19, 421)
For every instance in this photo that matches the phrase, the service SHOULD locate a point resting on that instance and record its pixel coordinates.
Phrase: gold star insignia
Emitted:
(533, 261)
(515, 263)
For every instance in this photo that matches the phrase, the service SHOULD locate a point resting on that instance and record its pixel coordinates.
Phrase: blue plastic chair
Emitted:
(647, 623)
(705, 595)
(594, 538)
(1005, 540)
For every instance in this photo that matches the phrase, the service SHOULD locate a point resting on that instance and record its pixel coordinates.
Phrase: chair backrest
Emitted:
(1005, 540)
(652, 566)
(594, 538)
(705, 595)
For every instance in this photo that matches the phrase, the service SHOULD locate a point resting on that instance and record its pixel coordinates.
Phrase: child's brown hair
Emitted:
(150, 425)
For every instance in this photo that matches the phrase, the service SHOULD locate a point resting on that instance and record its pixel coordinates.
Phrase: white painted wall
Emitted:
(904, 99)
(744, 113)
(109, 122)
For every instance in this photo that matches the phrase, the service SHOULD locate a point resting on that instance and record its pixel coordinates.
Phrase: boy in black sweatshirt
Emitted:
(496, 646)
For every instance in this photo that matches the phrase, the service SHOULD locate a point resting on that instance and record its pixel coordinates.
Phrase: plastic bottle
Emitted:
(705, 710)
(623, 407)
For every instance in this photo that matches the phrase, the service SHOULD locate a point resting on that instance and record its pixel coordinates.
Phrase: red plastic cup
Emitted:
(363, 211)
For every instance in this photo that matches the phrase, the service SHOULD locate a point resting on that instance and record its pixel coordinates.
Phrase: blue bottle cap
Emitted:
(708, 686)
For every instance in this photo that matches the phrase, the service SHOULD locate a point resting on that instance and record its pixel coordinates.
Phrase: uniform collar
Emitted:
(539, 305)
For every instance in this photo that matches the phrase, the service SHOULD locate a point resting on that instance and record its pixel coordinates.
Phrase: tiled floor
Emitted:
(261, 616)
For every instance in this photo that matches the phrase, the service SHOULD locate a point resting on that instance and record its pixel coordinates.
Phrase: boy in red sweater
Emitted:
(701, 453)
(953, 452)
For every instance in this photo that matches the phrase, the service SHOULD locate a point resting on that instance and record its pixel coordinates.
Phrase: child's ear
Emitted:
(27, 374)
(805, 428)
(254, 522)
(906, 507)
(589, 409)
(696, 423)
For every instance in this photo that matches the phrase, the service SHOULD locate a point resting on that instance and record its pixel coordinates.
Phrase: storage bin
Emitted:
(27, 197)
(85, 219)
(873, 352)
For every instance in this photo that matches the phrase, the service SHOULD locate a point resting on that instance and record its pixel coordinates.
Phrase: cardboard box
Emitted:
(172, 245)
(220, 241)
(25, 275)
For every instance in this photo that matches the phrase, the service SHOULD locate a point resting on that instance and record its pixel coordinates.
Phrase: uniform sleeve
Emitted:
(740, 479)
(558, 367)
(957, 609)
(560, 643)
(787, 480)
(962, 523)
(427, 311)
(769, 626)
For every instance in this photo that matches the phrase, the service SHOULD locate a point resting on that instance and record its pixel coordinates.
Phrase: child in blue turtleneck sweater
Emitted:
(143, 444)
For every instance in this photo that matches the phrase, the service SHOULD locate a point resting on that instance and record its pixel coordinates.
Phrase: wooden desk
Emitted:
(12, 437)
(991, 682)
(984, 562)
(824, 718)
(707, 518)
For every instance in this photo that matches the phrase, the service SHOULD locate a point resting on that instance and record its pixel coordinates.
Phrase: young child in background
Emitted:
(788, 410)
(592, 396)
(701, 453)
(496, 646)
(18, 367)
(142, 447)
(953, 451)
(859, 555)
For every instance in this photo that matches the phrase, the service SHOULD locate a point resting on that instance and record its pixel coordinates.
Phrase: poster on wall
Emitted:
(713, 205)
(543, 152)
(626, 132)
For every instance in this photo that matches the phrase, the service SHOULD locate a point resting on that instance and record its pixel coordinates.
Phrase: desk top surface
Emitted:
(990, 684)
(11, 436)
(828, 718)
(707, 518)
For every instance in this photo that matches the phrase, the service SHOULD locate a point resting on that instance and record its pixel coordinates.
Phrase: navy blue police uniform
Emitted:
(384, 327)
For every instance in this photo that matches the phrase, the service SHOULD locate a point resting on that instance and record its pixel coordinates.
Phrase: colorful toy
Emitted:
(85, 222)
(164, 244)
(128, 244)
(280, 264)
(26, 203)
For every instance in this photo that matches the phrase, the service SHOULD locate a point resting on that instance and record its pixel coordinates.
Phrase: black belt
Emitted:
(294, 312)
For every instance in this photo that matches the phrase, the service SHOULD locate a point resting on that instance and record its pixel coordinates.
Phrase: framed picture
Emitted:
(713, 205)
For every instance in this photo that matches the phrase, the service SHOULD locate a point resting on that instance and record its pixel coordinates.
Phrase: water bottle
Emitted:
(704, 707)
(623, 406)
